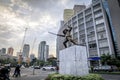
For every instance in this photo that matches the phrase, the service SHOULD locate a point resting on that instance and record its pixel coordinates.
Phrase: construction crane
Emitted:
(20, 55)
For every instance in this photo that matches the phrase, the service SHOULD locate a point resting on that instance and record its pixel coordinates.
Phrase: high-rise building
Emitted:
(26, 50)
(10, 51)
(112, 9)
(68, 14)
(41, 50)
(3, 51)
(0, 52)
(46, 52)
(78, 8)
(32, 56)
(97, 27)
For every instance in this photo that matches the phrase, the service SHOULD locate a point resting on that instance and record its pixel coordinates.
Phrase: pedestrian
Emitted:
(92, 69)
(4, 73)
(57, 69)
(17, 71)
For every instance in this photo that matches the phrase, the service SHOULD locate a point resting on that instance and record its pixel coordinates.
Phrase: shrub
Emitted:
(70, 77)
(92, 77)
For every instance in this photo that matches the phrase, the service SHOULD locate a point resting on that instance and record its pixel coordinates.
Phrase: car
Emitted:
(22, 67)
(31, 66)
(36, 67)
(51, 68)
(105, 68)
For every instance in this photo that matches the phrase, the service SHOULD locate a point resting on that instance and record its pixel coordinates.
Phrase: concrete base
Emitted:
(73, 61)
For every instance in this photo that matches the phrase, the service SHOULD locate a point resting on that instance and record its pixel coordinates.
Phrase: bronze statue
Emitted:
(67, 35)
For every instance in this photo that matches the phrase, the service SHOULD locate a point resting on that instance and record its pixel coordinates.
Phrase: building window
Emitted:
(100, 27)
(103, 44)
(99, 21)
(93, 45)
(89, 24)
(80, 21)
(96, 7)
(75, 35)
(82, 40)
(98, 13)
(81, 27)
(102, 36)
(93, 53)
(80, 15)
(88, 18)
(91, 38)
(105, 51)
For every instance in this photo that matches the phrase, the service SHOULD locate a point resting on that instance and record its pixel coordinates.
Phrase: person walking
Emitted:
(4, 73)
(17, 71)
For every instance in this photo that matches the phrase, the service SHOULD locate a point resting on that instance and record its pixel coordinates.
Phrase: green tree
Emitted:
(52, 61)
(105, 59)
(109, 60)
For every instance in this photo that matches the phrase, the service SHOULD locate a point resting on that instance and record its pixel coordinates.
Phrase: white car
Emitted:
(51, 68)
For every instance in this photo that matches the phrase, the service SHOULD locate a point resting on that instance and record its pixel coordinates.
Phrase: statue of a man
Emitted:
(67, 35)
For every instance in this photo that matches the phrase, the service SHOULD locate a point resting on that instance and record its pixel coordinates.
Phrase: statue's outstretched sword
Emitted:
(56, 34)
(52, 33)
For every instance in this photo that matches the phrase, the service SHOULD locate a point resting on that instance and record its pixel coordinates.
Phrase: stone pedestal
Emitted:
(73, 61)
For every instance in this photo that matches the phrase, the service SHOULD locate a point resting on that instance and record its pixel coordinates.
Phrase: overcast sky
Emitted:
(39, 16)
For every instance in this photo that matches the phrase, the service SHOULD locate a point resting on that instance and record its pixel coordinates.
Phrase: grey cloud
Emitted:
(32, 11)
(5, 2)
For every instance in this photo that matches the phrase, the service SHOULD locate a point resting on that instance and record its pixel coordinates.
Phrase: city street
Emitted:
(110, 77)
(27, 74)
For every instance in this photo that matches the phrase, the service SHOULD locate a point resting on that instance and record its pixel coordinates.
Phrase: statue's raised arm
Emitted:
(70, 28)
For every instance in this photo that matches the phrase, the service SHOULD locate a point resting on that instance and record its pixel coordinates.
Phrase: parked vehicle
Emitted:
(105, 68)
(36, 67)
(51, 68)
(22, 67)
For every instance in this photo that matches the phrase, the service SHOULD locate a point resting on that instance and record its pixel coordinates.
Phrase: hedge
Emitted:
(70, 77)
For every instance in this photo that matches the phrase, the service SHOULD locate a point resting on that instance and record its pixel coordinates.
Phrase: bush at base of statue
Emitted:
(69, 77)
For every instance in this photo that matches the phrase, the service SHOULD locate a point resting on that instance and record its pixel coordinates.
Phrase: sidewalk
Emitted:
(29, 77)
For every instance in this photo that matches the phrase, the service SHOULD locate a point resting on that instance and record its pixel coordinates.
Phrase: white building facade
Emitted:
(90, 28)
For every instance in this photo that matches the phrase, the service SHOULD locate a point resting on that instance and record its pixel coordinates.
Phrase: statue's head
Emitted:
(65, 31)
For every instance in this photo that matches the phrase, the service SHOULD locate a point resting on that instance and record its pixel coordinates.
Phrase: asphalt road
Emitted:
(27, 74)
(110, 76)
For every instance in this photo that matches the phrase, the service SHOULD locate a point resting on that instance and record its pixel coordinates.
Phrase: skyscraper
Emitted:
(26, 50)
(10, 51)
(78, 8)
(32, 56)
(46, 52)
(112, 9)
(68, 14)
(41, 50)
(3, 51)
